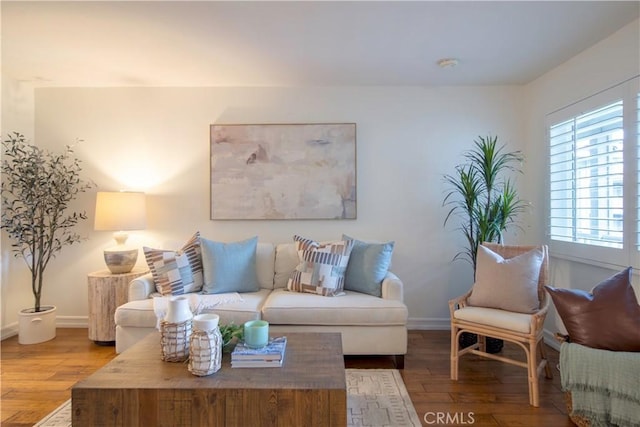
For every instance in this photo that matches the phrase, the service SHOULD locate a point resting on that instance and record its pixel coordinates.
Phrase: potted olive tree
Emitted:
(37, 188)
(484, 201)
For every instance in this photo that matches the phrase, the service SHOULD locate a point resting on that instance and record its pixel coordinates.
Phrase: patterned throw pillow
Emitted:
(322, 267)
(177, 272)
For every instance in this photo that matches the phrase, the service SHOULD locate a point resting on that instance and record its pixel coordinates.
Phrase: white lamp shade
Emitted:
(120, 211)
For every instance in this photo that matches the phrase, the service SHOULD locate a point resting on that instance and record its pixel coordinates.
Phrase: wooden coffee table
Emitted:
(138, 389)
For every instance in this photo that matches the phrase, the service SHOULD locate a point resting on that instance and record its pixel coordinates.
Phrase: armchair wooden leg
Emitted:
(548, 372)
(532, 362)
(399, 361)
(454, 353)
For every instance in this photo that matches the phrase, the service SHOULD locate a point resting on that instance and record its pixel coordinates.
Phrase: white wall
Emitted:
(612, 61)
(17, 107)
(17, 114)
(156, 140)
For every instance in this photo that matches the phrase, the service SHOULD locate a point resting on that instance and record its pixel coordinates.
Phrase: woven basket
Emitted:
(174, 340)
(205, 352)
(576, 419)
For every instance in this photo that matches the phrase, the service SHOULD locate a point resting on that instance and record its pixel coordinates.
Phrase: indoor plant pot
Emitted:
(37, 326)
(37, 188)
(493, 345)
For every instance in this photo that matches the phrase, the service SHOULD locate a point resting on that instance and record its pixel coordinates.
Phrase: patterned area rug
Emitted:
(378, 397)
(375, 398)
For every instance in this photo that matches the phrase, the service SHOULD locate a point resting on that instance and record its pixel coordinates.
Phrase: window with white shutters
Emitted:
(586, 177)
(594, 178)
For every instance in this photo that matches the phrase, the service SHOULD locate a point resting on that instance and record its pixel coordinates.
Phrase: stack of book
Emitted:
(269, 356)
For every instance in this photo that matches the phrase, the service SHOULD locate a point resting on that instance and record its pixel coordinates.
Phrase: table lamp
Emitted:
(120, 211)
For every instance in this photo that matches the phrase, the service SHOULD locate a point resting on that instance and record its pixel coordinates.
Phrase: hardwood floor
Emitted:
(38, 378)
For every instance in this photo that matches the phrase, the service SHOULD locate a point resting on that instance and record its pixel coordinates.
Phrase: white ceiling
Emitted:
(304, 43)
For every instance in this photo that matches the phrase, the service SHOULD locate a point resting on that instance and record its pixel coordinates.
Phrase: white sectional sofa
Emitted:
(369, 325)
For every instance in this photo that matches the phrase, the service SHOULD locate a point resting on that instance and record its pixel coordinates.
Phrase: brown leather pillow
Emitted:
(607, 318)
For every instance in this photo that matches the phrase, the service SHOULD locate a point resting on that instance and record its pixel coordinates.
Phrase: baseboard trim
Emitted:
(428, 324)
(72, 322)
(11, 330)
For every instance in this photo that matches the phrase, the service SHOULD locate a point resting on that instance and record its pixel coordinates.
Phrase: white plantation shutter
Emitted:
(586, 177)
(594, 178)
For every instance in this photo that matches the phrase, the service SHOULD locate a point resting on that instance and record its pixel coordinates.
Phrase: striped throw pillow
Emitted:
(177, 272)
(322, 267)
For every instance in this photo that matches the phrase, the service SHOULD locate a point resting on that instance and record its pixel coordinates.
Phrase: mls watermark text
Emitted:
(444, 418)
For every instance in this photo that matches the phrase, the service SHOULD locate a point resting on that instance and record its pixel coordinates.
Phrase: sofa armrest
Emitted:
(141, 287)
(392, 287)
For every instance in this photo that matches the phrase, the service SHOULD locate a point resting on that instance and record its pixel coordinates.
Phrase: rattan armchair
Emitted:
(525, 330)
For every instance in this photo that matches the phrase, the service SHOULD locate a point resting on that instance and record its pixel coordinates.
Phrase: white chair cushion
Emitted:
(354, 308)
(502, 319)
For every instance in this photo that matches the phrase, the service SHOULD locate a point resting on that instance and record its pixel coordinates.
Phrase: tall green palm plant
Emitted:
(481, 197)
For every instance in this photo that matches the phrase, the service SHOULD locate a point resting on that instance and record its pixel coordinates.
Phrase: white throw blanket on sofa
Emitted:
(197, 302)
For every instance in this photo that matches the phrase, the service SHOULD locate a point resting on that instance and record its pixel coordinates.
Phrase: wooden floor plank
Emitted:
(38, 378)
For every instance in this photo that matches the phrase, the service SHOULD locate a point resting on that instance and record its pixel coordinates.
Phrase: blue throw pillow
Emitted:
(229, 267)
(368, 266)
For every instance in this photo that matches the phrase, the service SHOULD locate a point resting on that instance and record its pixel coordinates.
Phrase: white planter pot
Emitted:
(34, 328)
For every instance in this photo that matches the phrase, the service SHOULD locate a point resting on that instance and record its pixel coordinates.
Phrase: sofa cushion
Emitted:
(229, 267)
(353, 308)
(176, 272)
(286, 261)
(265, 259)
(140, 314)
(137, 314)
(322, 266)
(368, 266)
(240, 312)
(514, 280)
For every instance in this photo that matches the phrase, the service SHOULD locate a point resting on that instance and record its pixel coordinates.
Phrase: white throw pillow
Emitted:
(508, 284)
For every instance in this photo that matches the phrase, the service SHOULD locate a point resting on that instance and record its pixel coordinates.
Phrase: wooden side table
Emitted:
(107, 291)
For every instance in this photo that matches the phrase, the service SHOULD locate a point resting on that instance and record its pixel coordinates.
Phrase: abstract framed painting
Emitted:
(283, 171)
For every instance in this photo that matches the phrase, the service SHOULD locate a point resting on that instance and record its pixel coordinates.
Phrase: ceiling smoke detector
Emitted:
(447, 62)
